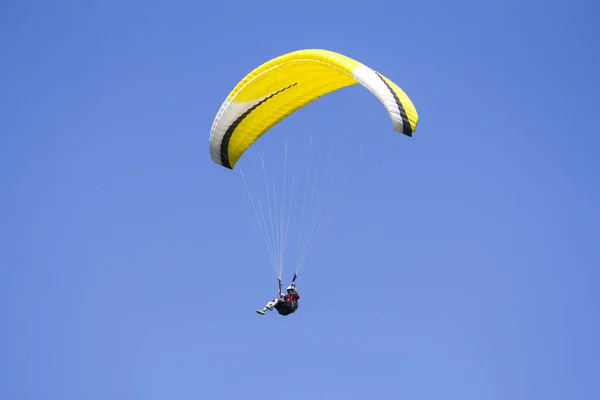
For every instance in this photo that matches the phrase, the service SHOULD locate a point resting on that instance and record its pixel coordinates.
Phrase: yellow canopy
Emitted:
(287, 83)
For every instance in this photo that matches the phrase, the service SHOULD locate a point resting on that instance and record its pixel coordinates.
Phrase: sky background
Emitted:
(466, 269)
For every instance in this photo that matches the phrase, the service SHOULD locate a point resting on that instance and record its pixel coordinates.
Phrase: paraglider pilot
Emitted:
(285, 304)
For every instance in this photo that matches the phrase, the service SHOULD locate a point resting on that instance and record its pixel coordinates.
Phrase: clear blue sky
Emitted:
(468, 270)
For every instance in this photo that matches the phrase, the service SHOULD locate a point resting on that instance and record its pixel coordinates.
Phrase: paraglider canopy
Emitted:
(289, 82)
